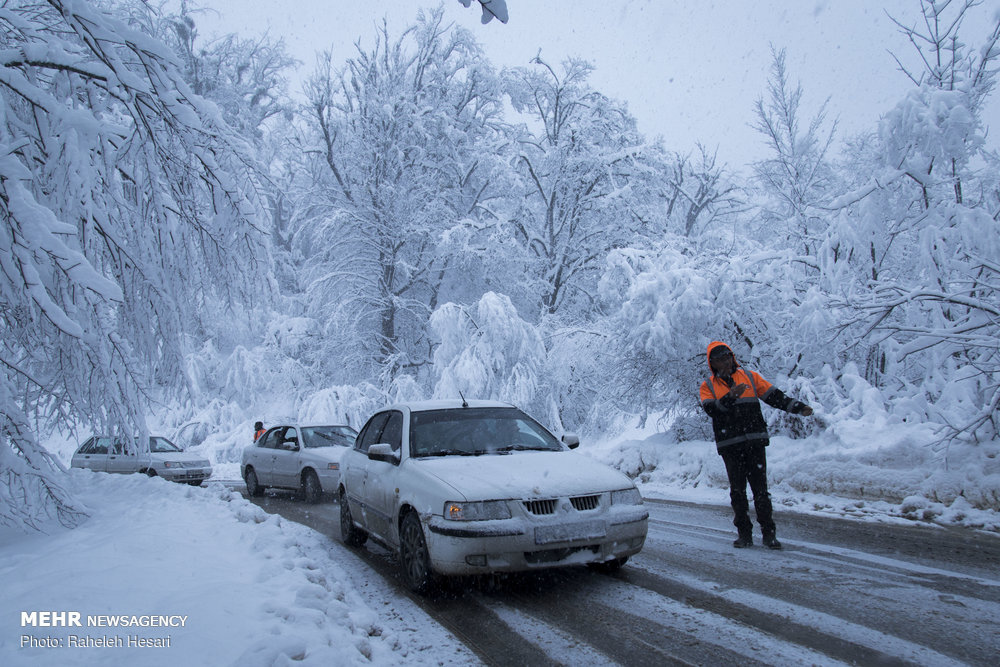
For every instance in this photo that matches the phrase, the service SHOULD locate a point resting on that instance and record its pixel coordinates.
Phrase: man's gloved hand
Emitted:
(800, 408)
(734, 393)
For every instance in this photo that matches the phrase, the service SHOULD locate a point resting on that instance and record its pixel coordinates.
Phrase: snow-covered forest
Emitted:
(189, 245)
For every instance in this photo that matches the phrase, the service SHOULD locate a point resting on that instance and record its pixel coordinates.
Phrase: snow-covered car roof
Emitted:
(446, 404)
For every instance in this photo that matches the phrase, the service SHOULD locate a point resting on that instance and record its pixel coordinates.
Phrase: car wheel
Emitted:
(311, 488)
(351, 534)
(609, 566)
(151, 473)
(254, 489)
(414, 561)
(193, 483)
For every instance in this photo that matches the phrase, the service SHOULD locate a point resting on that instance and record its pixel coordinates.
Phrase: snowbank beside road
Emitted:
(253, 589)
(864, 469)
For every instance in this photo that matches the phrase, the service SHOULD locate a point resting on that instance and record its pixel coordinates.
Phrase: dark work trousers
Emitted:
(747, 463)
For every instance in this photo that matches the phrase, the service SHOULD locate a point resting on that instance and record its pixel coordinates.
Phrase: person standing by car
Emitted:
(258, 430)
(731, 397)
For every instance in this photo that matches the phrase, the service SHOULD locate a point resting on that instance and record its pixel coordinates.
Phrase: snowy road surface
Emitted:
(840, 592)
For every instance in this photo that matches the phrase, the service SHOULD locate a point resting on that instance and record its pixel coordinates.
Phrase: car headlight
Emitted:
(626, 497)
(173, 464)
(480, 510)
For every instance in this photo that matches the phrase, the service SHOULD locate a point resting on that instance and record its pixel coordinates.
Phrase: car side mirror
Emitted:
(383, 452)
(572, 440)
(291, 445)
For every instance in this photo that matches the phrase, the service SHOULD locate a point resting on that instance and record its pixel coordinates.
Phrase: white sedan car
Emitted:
(459, 488)
(303, 458)
(164, 459)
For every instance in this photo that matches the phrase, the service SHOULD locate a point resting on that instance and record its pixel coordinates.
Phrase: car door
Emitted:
(285, 470)
(354, 479)
(262, 456)
(380, 481)
(122, 458)
(93, 455)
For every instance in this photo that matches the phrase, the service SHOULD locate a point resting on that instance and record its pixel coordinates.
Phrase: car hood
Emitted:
(524, 475)
(331, 454)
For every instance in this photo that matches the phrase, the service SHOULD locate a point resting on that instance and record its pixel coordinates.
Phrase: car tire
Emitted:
(414, 561)
(312, 490)
(609, 566)
(254, 489)
(349, 533)
(193, 483)
(151, 473)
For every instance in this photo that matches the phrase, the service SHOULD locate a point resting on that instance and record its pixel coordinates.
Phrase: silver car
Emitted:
(303, 458)
(470, 487)
(164, 459)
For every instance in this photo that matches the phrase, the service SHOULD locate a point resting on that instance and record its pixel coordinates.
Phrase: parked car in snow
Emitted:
(470, 487)
(305, 458)
(164, 459)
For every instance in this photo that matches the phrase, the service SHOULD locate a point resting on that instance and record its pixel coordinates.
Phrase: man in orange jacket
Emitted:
(731, 397)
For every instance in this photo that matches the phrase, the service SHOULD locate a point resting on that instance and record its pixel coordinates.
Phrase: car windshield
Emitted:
(162, 445)
(328, 436)
(476, 431)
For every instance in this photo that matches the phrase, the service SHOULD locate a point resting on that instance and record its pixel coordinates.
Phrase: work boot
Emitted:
(743, 541)
(771, 542)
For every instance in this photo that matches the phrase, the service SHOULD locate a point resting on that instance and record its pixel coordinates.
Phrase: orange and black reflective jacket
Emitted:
(740, 421)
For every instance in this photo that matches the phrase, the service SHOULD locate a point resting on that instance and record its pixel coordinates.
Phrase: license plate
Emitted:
(567, 532)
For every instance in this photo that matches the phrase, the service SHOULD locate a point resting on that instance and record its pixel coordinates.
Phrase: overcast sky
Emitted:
(689, 71)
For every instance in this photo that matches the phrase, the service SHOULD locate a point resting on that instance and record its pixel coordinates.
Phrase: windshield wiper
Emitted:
(451, 452)
(522, 448)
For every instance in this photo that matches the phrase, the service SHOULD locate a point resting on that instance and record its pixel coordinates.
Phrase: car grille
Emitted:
(582, 503)
(540, 506)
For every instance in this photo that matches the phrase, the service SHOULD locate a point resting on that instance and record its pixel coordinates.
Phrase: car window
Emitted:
(371, 432)
(162, 445)
(328, 436)
(392, 432)
(476, 431)
(96, 446)
(88, 446)
(291, 438)
(270, 439)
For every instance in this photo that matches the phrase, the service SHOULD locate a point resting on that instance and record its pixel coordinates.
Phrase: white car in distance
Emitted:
(297, 457)
(163, 459)
(474, 487)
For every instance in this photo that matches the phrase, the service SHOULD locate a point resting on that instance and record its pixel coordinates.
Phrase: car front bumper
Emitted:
(512, 545)
(328, 479)
(185, 474)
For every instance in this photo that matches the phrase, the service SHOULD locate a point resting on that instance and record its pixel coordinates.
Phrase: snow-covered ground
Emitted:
(237, 585)
(255, 589)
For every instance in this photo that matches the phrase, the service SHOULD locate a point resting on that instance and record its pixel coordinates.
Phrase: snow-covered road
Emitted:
(841, 591)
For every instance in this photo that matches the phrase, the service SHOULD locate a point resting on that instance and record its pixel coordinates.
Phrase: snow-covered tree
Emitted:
(923, 233)
(581, 168)
(796, 178)
(698, 193)
(128, 218)
(404, 149)
(246, 77)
